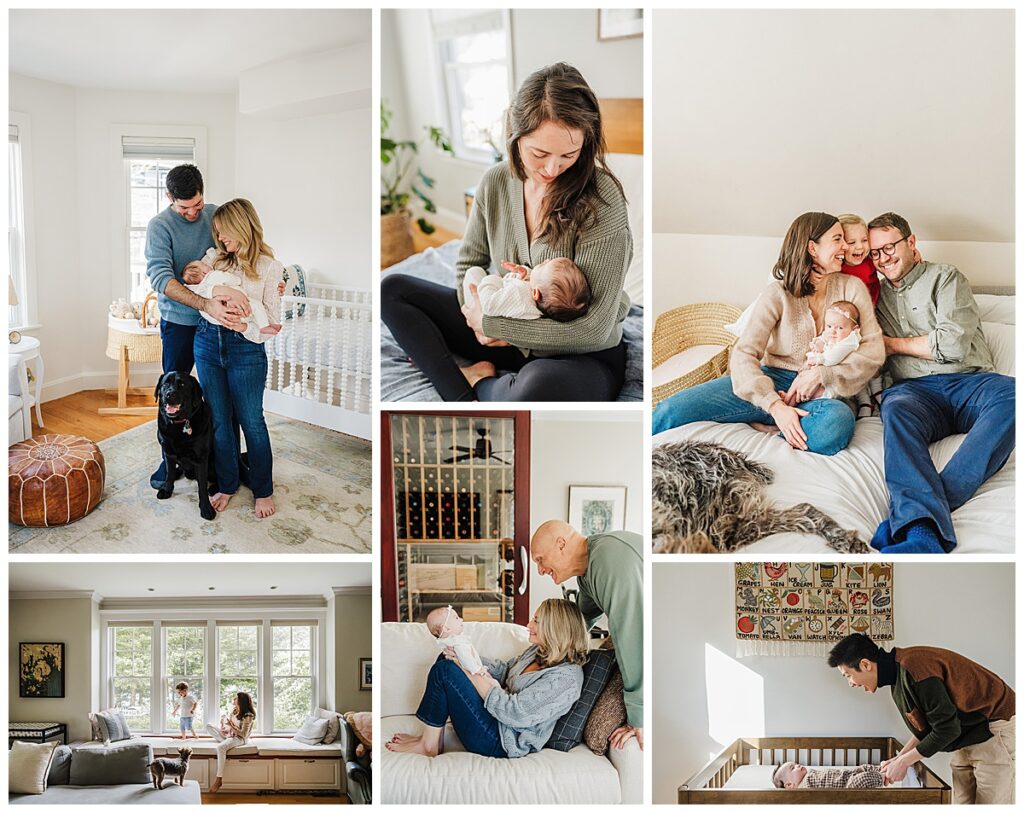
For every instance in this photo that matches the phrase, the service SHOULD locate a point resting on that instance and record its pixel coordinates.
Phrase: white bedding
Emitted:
(850, 486)
(759, 777)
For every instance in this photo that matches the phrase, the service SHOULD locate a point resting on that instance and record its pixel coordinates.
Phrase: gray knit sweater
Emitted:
(496, 232)
(527, 705)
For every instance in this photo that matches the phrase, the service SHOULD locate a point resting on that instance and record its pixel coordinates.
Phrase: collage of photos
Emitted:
(727, 299)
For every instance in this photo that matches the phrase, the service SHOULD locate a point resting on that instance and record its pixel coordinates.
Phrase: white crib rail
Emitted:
(320, 364)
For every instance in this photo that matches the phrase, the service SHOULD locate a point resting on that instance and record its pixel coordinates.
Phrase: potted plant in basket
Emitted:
(397, 159)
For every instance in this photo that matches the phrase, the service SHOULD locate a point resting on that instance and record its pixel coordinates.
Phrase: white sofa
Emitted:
(458, 777)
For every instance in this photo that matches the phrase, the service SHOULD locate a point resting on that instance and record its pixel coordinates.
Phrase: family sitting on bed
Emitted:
(924, 334)
(212, 261)
(552, 220)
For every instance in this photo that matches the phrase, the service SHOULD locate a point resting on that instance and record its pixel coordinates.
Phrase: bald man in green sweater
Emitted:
(609, 571)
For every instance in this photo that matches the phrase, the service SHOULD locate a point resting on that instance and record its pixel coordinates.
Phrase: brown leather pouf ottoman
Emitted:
(53, 480)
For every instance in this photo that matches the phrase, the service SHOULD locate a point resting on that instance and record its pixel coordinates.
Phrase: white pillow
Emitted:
(312, 731)
(751, 777)
(28, 764)
(996, 308)
(737, 327)
(629, 169)
(1000, 340)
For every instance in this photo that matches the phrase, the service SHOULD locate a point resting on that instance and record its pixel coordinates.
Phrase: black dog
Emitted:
(185, 431)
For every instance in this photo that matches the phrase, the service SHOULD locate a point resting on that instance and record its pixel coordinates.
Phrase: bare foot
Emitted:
(404, 738)
(478, 371)
(767, 428)
(411, 745)
(217, 782)
(264, 507)
(220, 501)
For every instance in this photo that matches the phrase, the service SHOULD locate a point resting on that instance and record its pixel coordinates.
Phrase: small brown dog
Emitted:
(174, 768)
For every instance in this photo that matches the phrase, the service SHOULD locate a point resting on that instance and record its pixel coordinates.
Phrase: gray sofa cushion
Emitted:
(187, 794)
(119, 765)
(60, 766)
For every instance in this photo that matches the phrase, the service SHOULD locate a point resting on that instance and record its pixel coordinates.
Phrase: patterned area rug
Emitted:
(322, 488)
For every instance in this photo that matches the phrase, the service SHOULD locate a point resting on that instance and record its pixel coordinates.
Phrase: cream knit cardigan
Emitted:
(779, 331)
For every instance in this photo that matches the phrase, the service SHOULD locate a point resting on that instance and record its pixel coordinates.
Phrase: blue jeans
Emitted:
(178, 341)
(829, 427)
(450, 694)
(233, 372)
(920, 411)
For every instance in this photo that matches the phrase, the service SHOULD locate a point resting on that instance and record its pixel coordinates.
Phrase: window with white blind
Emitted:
(473, 53)
(292, 665)
(132, 674)
(184, 661)
(18, 282)
(147, 160)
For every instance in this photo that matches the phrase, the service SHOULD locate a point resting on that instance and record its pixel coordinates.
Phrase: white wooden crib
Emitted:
(319, 365)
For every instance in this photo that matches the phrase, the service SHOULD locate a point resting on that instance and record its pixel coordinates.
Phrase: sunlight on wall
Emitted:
(735, 698)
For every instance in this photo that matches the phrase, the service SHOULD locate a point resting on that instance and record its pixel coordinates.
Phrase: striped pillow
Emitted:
(113, 727)
(597, 670)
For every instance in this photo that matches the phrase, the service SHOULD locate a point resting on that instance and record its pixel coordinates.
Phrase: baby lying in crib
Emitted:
(794, 775)
(446, 626)
(211, 278)
(556, 288)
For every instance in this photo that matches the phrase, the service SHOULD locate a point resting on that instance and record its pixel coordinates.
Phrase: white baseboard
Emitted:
(70, 384)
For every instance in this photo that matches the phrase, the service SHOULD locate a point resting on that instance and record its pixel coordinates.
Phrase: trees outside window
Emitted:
(293, 675)
(131, 684)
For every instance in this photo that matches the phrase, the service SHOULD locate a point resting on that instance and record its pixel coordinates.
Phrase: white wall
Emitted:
(75, 623)
(581, 449)
(410, 80)
(762, 115)
(970, 609)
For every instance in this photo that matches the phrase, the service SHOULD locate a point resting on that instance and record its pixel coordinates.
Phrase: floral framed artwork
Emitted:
(597, 509)
(365, 674)
(40, 670)
(619, 23)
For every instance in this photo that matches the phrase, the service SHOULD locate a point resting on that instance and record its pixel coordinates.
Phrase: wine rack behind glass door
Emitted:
(454, 515)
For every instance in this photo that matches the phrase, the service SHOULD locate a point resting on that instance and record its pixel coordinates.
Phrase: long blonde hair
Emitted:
(562, 634)
(238, 219)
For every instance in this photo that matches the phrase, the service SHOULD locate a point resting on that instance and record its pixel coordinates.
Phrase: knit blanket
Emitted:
(803, 608)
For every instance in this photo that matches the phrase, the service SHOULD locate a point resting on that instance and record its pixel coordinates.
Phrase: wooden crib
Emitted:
(708, 786)
(320, 364)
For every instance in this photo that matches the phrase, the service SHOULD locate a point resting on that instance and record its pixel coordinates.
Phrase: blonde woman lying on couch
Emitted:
(512, 709)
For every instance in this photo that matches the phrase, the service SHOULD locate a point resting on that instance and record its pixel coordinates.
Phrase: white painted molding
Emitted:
(352, 590)
(53, 595)
(215, 604)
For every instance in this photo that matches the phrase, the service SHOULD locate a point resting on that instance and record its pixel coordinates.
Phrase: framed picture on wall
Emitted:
(40, 670)
(597, 509)
(365, 673)
(619, 23)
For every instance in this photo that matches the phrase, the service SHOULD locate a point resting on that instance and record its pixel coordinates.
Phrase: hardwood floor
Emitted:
(440, 236)
(76, 415)
(225, 798)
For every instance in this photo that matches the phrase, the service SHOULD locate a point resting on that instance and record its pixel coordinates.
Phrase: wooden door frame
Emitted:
(521, 484)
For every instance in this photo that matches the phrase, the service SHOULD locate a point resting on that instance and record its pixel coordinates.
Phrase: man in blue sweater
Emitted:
(178, 235)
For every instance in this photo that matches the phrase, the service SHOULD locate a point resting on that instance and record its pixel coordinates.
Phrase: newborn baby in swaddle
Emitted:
(213, 277)
(446, 626)
(556, 288)
(794, 775)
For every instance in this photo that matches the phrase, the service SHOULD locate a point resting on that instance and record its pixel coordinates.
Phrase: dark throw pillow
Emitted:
(568, 731)
(126, 764)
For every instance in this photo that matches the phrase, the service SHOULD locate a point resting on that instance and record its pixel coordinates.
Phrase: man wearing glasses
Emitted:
(178, 235)
(942, 384)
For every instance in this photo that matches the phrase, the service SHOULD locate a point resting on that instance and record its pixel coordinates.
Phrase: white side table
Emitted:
(25, 351)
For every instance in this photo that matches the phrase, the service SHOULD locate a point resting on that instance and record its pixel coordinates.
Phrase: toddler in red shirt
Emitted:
(858, 258)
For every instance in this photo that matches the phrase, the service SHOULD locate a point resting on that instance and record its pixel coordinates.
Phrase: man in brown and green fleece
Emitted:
(949, 703)
(609, 571)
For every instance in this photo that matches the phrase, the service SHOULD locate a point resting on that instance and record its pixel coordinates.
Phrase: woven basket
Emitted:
(690, 326)
(143, 342)
(395, 238)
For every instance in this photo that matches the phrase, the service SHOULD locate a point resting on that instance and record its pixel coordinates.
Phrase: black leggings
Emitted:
(427, 322)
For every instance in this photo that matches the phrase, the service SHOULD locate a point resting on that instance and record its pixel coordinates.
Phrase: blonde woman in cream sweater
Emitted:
(767, 383)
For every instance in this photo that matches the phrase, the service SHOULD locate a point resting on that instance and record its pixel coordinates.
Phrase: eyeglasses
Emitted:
(888, 249)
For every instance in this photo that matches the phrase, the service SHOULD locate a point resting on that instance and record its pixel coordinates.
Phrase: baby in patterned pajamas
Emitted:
(794, 775)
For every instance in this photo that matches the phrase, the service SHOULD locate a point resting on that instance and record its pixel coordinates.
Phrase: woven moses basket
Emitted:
(688, 327)
(142, 343)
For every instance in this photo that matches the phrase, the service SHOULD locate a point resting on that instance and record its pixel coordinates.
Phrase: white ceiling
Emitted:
(186, 51)
(188, 579)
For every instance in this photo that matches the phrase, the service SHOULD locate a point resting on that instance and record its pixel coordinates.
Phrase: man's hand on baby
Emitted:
(520, 271)
(893, 770)
(195, 272)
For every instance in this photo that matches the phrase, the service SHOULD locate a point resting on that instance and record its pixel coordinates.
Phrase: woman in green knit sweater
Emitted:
(553, 197)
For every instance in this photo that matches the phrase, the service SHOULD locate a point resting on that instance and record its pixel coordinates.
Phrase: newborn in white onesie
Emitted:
(446, 626)
(556, 288)
(840, 337)
(214, 278)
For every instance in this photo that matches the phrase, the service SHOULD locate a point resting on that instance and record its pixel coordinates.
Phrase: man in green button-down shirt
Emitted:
(942, 384)
(609, 571)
